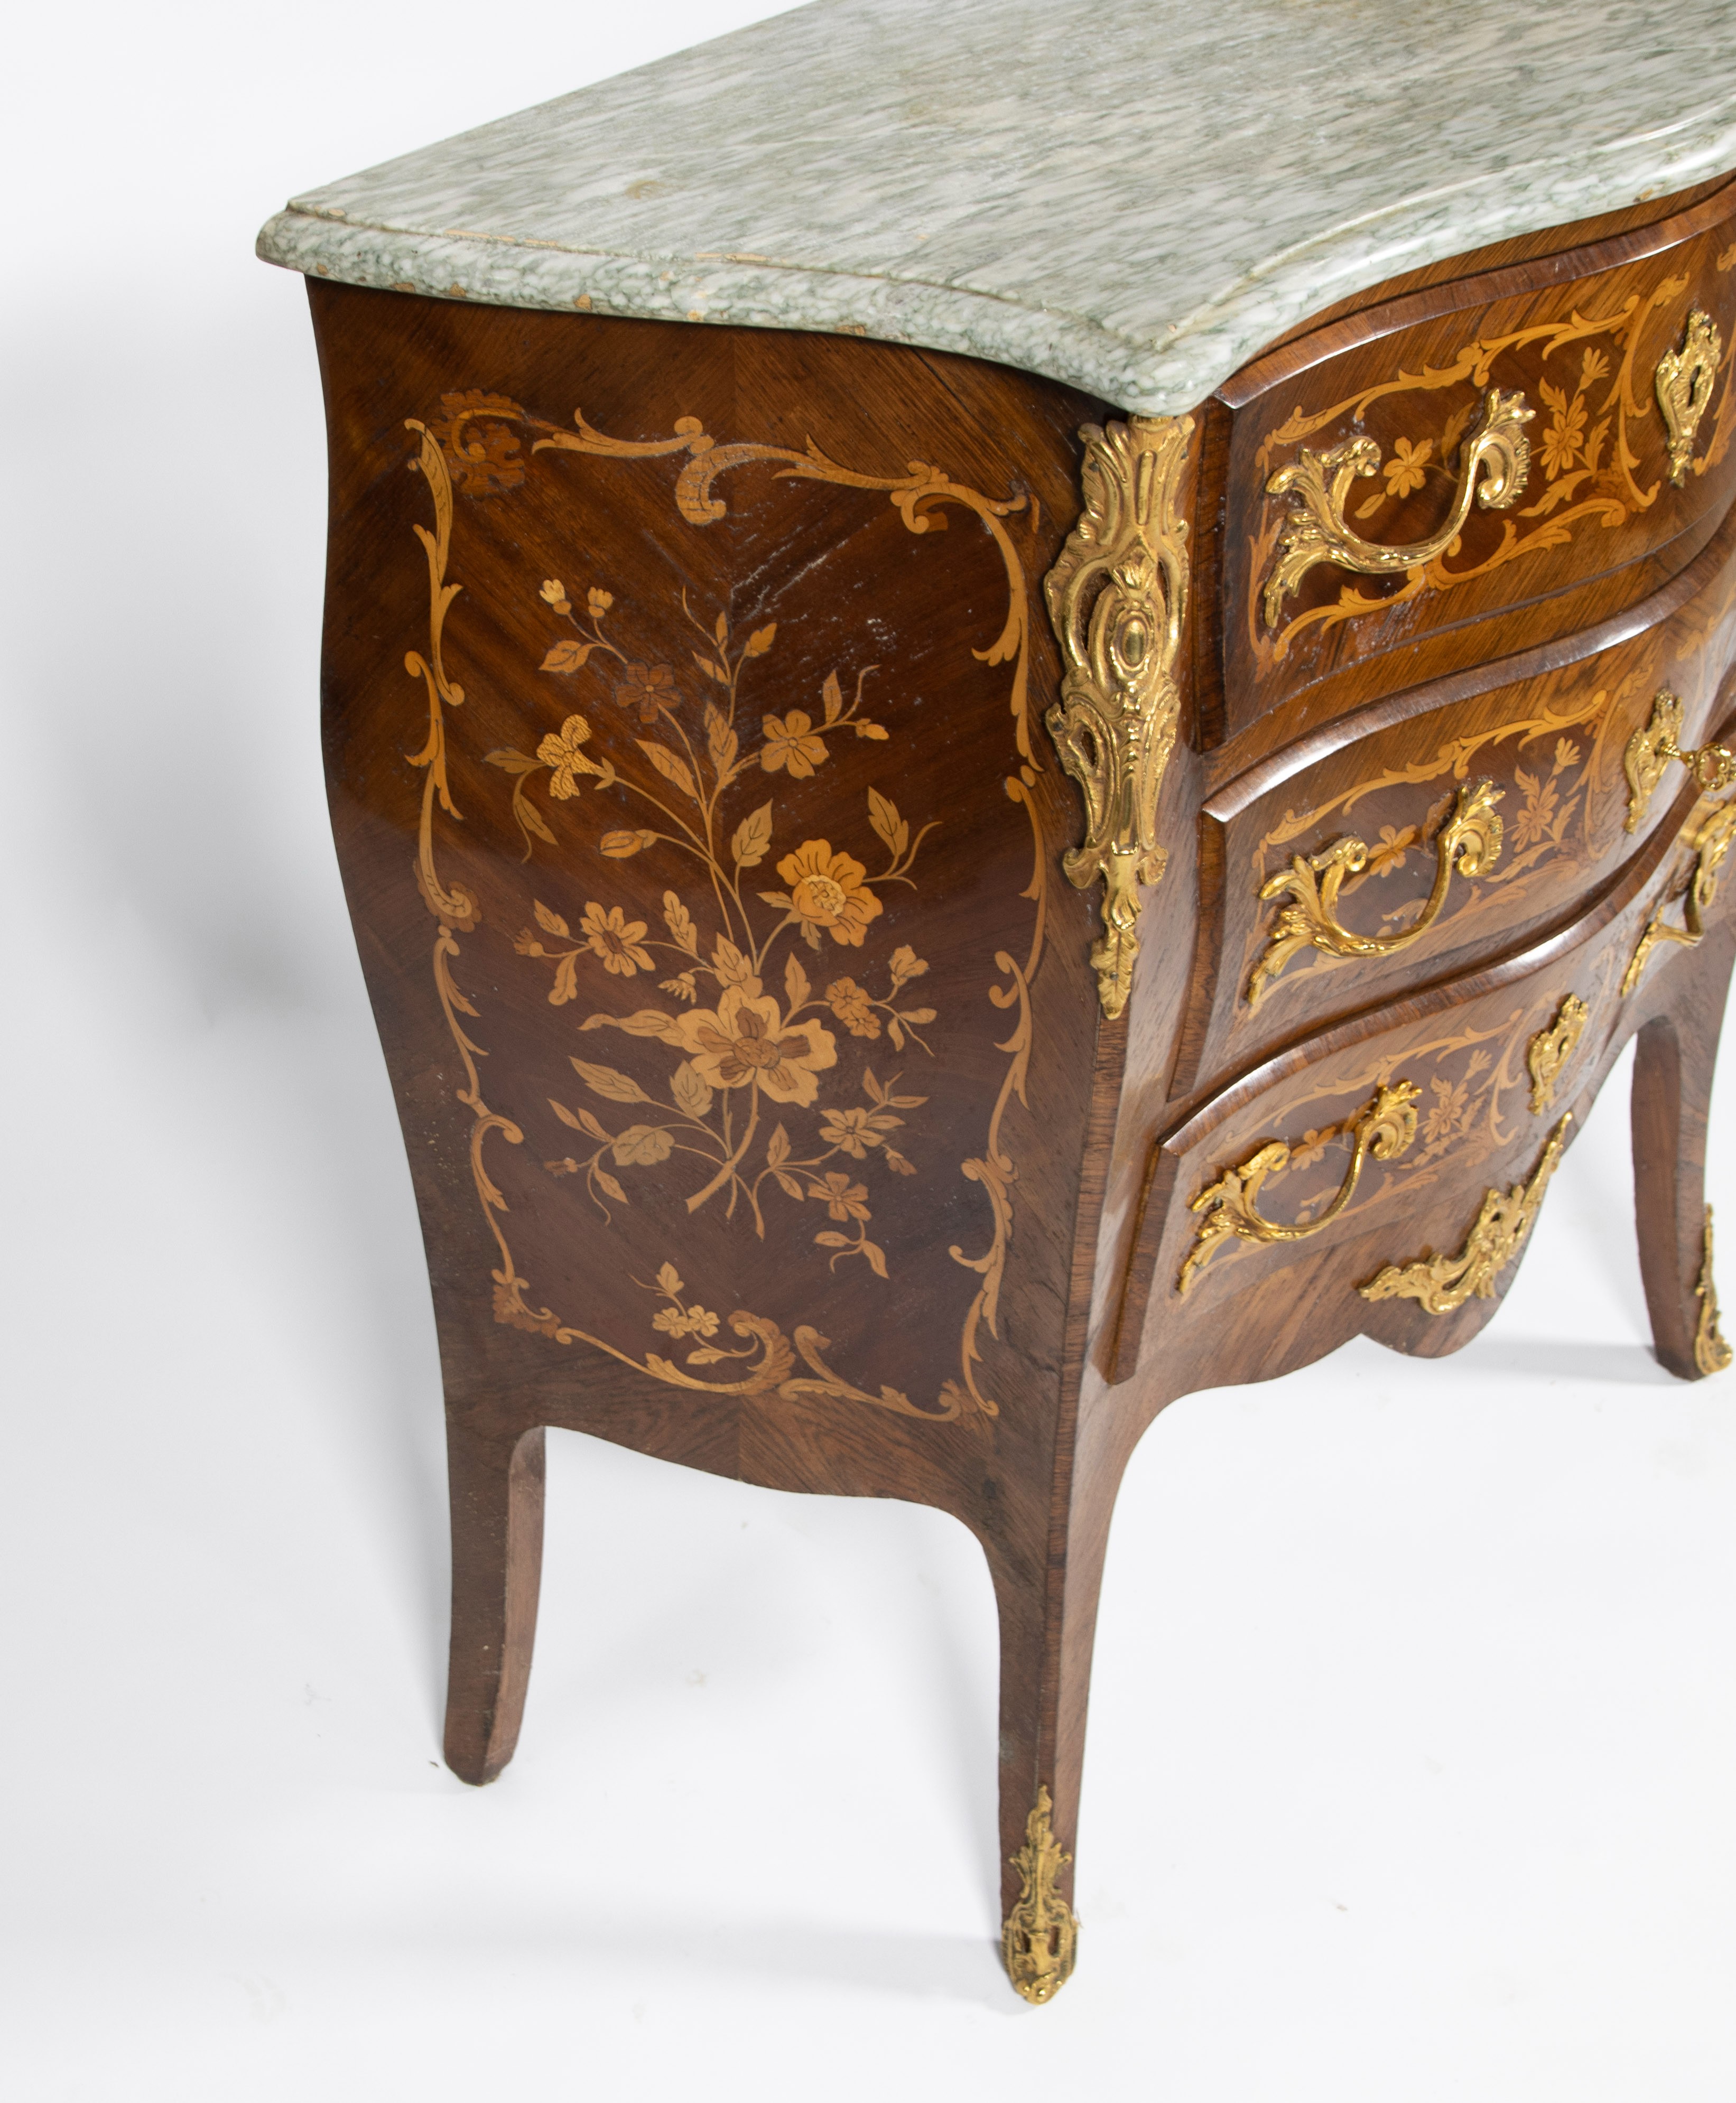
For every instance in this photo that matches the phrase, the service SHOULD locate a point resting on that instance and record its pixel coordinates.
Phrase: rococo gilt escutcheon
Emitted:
(1685, 380)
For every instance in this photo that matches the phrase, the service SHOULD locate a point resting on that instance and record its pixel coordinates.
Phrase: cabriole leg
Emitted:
(1048, 1599)
(1673, 1064)
(497, 1500)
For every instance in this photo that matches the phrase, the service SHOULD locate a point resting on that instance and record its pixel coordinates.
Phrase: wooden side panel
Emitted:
(692, 792)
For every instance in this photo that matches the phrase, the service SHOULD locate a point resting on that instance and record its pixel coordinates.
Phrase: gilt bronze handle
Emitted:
(1651, 748)
(1384, 1126)
(1319, 485)
(1469, 841)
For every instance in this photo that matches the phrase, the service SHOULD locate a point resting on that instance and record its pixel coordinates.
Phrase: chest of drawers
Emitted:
(927, 891)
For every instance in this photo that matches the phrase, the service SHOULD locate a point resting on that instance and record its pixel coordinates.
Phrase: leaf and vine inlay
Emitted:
(768, 960)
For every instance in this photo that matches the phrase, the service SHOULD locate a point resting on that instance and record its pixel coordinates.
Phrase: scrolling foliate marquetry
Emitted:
(749, 1041)
(1590, 383)
(1118, 598)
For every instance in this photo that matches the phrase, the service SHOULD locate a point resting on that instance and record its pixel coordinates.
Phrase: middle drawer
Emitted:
(1415, 837)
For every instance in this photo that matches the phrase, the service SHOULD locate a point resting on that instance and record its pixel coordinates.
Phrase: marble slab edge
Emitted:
(1159, 377)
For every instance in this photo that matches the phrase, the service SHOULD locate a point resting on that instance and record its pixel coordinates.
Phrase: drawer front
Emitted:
(1443, 827)
(1370, 1153)
(1452, 464)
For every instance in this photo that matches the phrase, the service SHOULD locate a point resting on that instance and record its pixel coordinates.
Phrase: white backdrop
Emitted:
(1416, 1706)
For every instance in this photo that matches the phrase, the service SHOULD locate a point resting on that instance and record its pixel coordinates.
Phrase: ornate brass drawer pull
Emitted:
(1684, 381)
(1319, 484)
(1650, 750)
(1440, 1284)
(1385, 1127)
(1710, 835)
(1469, 841)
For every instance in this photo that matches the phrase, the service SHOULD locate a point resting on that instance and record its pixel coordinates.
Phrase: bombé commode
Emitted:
(995, 760)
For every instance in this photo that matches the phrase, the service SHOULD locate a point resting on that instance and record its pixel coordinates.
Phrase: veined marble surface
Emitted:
(1129, 195)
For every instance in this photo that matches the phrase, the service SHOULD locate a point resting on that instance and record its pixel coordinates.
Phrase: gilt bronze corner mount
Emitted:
(1117, 598)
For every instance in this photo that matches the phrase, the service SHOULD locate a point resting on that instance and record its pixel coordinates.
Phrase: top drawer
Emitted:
(1472, 448)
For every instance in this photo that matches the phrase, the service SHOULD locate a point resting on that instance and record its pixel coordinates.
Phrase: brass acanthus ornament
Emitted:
(1384, 1128)
(1712, 1355)
(1117, 598)
(1652, 748)
(1709, 835)
(1040, 1938)
(1469, 841)
(1684, 381)
(1442, 1284)
(1551, 1048)
(1318, 484)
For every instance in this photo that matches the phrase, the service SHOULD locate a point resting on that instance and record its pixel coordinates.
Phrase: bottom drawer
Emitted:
(1384, 1176)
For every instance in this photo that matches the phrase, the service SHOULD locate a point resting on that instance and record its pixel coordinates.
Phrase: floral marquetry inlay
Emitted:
(736, 997)
(1507, 807)
(748, 1029)
(1399, 1122)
